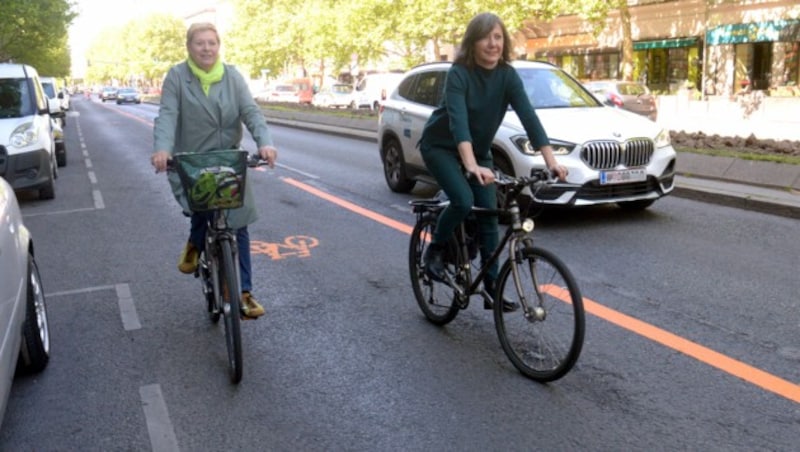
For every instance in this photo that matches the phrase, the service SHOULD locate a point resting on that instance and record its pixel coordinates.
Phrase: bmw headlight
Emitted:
(663, 139)
(24, 135)
(524, 145)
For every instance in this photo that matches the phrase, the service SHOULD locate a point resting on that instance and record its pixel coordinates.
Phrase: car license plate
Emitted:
(622, 176)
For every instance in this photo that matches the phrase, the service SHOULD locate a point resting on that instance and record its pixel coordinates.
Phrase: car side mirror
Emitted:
(54, 108)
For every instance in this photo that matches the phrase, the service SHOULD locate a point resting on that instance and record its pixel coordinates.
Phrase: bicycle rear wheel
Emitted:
(436, 300)
(229, 300)
(543, 339)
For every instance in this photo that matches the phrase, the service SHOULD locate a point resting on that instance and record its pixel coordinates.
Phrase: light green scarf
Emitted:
(207, 78)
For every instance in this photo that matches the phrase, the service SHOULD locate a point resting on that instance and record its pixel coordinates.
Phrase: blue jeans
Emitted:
(197, 236)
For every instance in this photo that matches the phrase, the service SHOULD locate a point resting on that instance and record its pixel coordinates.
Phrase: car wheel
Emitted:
(353, 105)
(61, 155)
(636, 205)
(35, 350)
(394, 168)
(48, 189)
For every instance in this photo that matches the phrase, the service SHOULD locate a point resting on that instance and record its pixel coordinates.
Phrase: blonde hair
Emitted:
(198, 27)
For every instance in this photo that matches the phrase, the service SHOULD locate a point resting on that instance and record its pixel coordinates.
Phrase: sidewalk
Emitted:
(758, 186)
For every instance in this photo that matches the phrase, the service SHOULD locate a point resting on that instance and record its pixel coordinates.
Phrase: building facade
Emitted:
(716, 47)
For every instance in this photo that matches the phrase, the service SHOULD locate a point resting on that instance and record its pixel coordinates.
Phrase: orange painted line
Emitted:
(750, 374)
(402, 227)
(703, 354)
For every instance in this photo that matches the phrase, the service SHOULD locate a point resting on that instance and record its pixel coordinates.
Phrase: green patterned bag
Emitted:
(213, 180)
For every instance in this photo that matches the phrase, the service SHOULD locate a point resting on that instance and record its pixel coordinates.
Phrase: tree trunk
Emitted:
(627, 41)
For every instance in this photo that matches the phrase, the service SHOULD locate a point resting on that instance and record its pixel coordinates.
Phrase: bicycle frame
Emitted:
(217, 232)
(465, 283)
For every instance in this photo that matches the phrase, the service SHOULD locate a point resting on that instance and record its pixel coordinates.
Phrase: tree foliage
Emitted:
(35, 33)
(139, 53)
(325, 37)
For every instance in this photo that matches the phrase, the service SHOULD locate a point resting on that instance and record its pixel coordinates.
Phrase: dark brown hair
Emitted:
(480, 26)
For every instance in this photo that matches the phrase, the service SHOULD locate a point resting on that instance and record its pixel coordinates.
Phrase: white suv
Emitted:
(613, 156)
(27, 132)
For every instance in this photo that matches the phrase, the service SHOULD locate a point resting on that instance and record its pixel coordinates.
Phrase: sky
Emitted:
(96, 15)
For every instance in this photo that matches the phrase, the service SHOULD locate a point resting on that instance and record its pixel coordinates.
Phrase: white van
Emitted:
(27, 140)
(373, 89)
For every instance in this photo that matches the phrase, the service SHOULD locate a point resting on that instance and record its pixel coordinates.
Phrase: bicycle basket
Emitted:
(213, 180)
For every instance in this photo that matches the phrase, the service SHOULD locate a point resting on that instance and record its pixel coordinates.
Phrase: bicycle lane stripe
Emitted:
(750, 374)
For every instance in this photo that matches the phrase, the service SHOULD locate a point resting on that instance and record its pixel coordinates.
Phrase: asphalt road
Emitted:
(691, 334)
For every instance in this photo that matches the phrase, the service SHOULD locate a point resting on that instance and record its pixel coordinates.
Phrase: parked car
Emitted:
(61, 150)
(24, 330)
(280, 93)
(632, 96)
(27, 131)
(108, 93)
(305, 90)
(128, 95)
(372, 90)
(337, 95)
(613, 156)
(52, 91)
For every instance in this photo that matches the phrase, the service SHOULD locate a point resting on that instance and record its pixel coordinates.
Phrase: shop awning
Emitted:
(776, 30)
(664, 43)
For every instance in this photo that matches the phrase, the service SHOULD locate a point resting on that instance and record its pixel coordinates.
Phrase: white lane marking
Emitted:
(79, 291)
(295, 170)
(159, 426)
(88, 162)
(127, 308)
(92, 178)
(98, 199)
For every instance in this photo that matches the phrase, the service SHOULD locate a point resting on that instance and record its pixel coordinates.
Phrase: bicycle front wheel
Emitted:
(230, 298)
(543, 338)
(436, 300)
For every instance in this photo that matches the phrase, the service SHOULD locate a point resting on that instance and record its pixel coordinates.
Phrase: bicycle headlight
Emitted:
(524, 145)
(527, 225)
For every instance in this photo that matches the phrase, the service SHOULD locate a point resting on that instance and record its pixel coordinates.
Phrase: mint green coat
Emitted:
(190, 121)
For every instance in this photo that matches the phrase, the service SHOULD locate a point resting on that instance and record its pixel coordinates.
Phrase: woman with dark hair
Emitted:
(457, 138)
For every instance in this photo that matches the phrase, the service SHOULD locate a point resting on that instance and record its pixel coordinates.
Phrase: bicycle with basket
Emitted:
(214, 182)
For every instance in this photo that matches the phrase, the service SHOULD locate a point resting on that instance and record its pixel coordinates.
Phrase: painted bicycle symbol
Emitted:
(296, 245)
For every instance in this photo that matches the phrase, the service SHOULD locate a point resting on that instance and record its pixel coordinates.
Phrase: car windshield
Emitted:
(342, 89)
(49, 89)
(553, 88)
(285, 88)
(15, 101)
(127, 91)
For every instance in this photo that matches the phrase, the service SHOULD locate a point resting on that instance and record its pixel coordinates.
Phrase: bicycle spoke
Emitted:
(543, 340)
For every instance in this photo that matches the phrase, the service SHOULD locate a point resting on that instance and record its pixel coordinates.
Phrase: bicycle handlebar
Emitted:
(253, 160)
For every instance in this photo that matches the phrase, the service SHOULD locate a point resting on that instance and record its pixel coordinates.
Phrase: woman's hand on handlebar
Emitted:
(559, 171)
(482, 174)
(268, 154)
(159, 160)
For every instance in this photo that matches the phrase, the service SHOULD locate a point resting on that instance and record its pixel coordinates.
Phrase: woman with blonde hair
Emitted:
(204, 103)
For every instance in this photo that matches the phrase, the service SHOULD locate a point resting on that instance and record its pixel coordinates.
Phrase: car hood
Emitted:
(578, 125)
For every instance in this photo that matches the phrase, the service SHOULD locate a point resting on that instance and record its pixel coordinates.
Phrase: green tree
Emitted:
(140, 52)
(35, 33)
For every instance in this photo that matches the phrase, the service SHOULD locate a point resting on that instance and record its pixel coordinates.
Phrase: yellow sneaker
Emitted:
(250, 308)
(187, 263)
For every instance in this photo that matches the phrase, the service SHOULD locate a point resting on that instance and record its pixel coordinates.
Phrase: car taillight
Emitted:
(616, 100)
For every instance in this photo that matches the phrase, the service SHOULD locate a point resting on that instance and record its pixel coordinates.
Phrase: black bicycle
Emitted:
(214, 182)
(543, 338)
